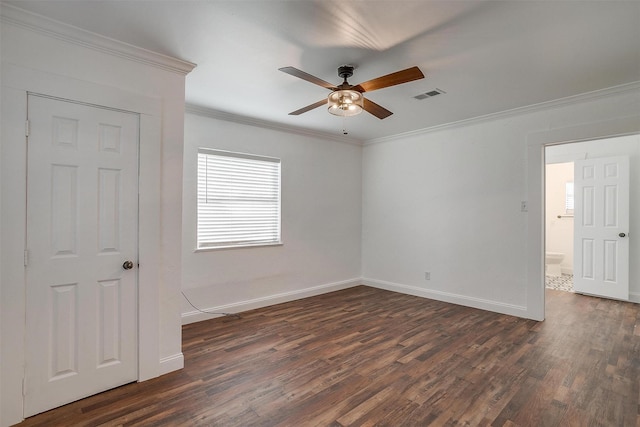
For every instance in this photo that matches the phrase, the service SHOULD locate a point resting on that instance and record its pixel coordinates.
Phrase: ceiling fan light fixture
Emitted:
(345, 102)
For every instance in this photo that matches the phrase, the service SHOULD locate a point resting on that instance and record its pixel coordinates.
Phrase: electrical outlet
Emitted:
(523, 206)
(427, 275)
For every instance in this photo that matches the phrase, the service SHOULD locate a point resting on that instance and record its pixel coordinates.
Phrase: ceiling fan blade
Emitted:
(399, 77)
(308, 77)
(375, 109)
(308, 107)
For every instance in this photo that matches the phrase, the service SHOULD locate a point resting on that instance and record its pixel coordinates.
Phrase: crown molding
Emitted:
(13, 15)
(556, 103)
(265, 124)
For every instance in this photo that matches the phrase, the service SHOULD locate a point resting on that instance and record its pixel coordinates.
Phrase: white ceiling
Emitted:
(488, 56)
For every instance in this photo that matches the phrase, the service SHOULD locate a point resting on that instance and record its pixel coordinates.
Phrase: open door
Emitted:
(601, 243)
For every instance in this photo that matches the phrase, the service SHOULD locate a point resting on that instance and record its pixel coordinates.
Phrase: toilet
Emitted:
(552, 262)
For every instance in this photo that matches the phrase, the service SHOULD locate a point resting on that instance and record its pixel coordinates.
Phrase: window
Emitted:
(238, 199)
(568, 198)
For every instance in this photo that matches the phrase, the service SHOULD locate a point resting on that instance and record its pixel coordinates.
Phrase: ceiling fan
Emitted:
(346, 99)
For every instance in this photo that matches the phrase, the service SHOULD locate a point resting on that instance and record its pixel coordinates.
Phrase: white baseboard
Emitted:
(240, 306)
(634, 297)
(483, 304)
(171, 363)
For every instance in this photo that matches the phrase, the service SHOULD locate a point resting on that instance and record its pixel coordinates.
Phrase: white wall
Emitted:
(628, 146)
(321, 221)
(558, 231)
(45, 57)
(448, 201)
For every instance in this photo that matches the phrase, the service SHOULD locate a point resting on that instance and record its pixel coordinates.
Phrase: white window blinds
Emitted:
(568, 199)
(238, 199)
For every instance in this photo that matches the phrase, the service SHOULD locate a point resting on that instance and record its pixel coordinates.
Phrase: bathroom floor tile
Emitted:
(560, 283)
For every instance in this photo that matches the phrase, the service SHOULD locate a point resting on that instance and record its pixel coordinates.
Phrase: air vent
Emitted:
(429, 94)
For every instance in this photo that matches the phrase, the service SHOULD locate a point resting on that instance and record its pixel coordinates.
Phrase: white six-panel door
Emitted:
(82, 216)
(601, 241)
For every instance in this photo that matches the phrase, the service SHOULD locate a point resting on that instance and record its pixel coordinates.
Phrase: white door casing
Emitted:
(82, 219)
(601, 241)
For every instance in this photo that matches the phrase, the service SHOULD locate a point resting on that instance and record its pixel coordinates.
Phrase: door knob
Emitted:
(621, 234)
(127, 265)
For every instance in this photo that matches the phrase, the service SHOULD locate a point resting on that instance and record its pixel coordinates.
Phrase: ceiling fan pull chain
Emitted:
(344, 125)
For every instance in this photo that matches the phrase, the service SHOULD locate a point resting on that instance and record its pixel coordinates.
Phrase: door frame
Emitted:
(536, 143)
(17, 83)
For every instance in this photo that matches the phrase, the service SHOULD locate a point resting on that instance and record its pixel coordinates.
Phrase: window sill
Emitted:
(257, 245)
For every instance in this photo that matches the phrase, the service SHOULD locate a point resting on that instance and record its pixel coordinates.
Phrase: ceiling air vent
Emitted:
(429, 94)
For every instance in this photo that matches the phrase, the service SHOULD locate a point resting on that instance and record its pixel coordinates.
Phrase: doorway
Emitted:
(589, 203)
(559, 222)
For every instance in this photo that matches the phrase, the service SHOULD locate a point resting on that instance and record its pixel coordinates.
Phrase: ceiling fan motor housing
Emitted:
(345, 71)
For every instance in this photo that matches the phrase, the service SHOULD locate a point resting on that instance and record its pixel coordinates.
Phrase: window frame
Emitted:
(200, 247)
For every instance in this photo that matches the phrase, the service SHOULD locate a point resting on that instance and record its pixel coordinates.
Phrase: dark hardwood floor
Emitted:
(365, 356)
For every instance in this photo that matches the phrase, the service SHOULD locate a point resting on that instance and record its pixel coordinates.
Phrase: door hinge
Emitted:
(26, 257)
(27, 128)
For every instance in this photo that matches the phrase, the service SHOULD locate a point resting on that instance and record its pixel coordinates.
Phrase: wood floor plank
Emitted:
(369, 357)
